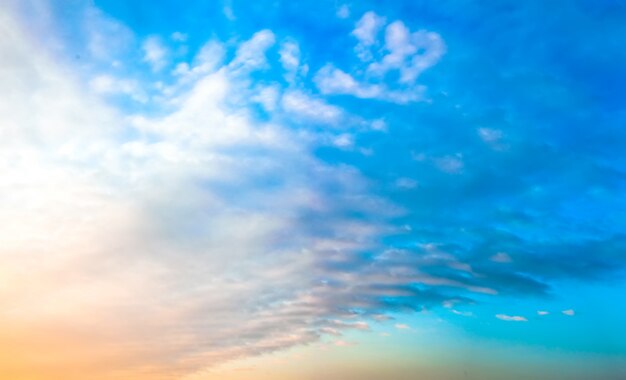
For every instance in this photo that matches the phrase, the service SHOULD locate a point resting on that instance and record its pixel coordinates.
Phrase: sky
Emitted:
(282, 190)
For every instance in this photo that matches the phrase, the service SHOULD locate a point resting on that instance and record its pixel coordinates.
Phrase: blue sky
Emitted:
(289, 187)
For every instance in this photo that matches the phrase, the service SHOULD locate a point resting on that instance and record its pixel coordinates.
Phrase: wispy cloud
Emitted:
(511, 318)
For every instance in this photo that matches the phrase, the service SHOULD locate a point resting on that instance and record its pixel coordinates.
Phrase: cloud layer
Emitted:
(220, 202)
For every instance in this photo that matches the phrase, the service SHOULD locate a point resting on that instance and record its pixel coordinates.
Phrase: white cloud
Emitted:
(511, 318)
(155, 53)
(179, 37)
(107, 38)
(450, 164)
(141, 210)
(310, 108)
(331, 80)
(365, 31)
(406, 183)
(343, 140)
(569, 312)
(489, 135)
(109, 85)
(290, 60)
(462, 313)
(402, 326)
(343, 11)
(229, 13)
(406, 52)
(542, 312)
(267, 96)
(251, 54)
(409, 53)
(290, 55)
(501, 257)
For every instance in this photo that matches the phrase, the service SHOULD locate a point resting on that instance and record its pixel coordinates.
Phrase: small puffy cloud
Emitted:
(542, 312)
(267, 97)
(343, 11)
(179, 37)
(251, 54)
(409, 53)
(489, 135)
(379, 125)
(331, 80)
(365, 31)
(450, 164)
(402, 326)
(569, 312)
(406, 183)
(228, 12)
(511, 318)
(310, 108)
(501, 257)
(290, 55)
(290, 59)
(343, 141)
(154, 53)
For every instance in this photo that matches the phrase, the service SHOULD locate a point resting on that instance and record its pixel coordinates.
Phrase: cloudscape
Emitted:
(308, 190)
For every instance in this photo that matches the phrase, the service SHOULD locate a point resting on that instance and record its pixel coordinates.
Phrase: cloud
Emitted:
(569, 312)
(489, 135)
(310, 108)
(365, 31)
(179, 37)
(222, 234)
(228, 11)
(408, 53)
(268, 97)
(331, 80)
(290, 55)
(542, 312)
(343, 343)
(207, 60)
(107, 39)
(251, 54)
(108, 85)
(155, 53)
(200, 223)
(501, 257)
(462, 313)
(511, 318)
(343, 11)
(402, 326)
(450, 164)
(290, 60)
